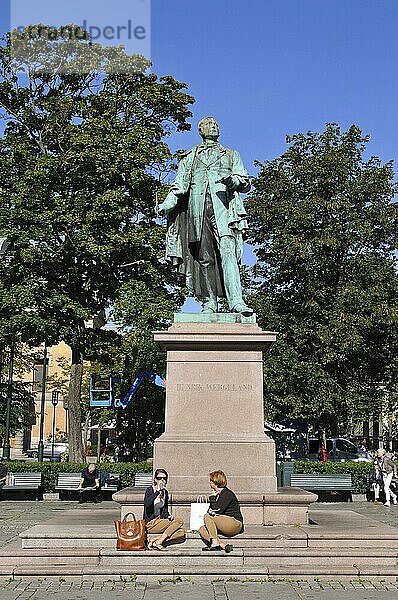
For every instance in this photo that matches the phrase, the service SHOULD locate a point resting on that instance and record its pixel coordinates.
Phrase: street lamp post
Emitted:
(40, 447)
(6, 447)
(54, 402)
(4, 244)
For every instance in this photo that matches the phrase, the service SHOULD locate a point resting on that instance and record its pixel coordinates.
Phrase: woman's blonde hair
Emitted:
(219, 478)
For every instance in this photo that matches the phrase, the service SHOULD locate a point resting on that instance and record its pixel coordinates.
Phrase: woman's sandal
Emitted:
(211, 548)
(155, 546)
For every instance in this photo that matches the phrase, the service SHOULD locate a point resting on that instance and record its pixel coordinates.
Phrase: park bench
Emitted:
(143, 480)
(26, 483)
(68, 484)
(320, 482)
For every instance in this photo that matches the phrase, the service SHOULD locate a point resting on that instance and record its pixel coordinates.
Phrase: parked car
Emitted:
(338, 449)
(59, 448)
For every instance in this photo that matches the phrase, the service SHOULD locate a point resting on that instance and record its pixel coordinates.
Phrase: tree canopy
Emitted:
(81, 156)
(324, 225)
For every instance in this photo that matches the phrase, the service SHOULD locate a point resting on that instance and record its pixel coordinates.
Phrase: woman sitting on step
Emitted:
(157, 516)
(223, 516)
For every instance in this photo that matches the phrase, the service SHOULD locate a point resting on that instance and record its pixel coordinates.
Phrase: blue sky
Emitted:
(267, 68)
(271, 67)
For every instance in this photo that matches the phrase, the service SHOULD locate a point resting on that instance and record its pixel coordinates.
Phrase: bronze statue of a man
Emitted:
(206, 220)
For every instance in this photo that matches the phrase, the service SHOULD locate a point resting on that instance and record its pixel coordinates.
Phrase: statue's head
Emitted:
(208, 128)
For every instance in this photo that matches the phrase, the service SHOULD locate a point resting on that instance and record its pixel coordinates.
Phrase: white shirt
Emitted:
(158, 504)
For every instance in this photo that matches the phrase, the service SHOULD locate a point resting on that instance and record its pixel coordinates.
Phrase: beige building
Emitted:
(59, 360)
(57, 380)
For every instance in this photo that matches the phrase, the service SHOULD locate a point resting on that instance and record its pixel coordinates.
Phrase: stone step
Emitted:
(213, 571)
(306, 561)
(78, 538)
(182, 550)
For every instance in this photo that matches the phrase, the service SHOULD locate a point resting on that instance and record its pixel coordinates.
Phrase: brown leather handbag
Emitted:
(131, 534)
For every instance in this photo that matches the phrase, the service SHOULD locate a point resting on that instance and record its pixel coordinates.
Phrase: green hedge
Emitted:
(359, 471)
(50, 470)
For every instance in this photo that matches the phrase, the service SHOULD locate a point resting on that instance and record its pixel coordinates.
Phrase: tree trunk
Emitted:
(76, 453)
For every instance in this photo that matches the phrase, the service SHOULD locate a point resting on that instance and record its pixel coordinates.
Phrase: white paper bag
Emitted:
(198, 511)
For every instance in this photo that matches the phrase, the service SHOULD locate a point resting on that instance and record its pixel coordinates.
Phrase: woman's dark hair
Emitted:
(161, 471)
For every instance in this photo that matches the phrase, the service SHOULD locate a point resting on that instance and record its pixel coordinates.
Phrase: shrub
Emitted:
(50, 470)
(359, 471)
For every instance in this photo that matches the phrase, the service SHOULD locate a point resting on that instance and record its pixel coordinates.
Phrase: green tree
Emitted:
(22, 413)
(324, 227)
(82, 153)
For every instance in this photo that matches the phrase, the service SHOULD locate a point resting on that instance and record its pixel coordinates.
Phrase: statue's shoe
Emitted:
(209, 308)
(243, 309)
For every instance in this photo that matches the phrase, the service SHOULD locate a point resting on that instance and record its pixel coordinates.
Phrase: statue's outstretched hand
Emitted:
(165, 207)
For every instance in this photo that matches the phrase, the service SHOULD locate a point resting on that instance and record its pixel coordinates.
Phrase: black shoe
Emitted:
(228, 548)
(211, 548)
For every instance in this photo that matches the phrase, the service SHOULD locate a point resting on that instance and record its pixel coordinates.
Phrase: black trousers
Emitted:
(89, 495)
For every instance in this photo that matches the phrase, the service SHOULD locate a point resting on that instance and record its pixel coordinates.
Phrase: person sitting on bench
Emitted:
(89, 485)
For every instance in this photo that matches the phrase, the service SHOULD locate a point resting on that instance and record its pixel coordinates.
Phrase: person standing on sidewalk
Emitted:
(389, 470)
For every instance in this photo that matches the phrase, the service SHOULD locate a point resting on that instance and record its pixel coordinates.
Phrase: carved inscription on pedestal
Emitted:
(214, 387)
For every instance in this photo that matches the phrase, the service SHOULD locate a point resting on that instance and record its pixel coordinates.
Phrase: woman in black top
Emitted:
(223, 516)
(157, 516)
(89, 486)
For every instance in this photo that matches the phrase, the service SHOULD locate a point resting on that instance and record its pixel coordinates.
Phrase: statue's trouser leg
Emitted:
(229, 262)
(207, 258)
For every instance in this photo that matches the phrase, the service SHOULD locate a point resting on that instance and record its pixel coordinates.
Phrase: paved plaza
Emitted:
(19, 516)
(185, 590)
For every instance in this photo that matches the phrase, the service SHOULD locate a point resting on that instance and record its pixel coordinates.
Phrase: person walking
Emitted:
(376, 481)
(389, 470)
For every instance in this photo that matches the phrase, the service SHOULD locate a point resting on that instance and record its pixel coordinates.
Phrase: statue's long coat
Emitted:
(198, 174)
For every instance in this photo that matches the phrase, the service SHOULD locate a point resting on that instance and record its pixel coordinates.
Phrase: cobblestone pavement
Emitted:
(42, 589)
(18, 516)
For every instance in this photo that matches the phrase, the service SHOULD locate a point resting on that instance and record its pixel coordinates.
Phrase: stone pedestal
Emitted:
(214, 407)
(215, 420)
